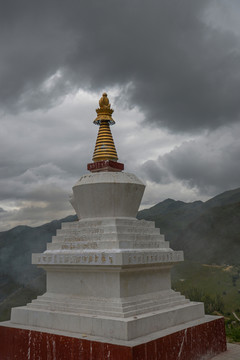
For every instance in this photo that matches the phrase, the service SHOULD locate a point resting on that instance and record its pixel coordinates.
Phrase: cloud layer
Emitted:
(207, 164)
(179, 69)
(173, 71)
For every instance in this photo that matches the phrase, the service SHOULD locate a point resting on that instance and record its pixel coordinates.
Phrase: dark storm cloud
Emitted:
(181, 72)
(208, 164)
(154, 172)
(32, 47)
(42, 183)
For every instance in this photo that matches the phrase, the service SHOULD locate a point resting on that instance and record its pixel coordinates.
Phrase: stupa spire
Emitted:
(105, 148)
(105, 155)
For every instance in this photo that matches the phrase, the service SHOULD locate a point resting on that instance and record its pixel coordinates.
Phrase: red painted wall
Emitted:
(190, 344)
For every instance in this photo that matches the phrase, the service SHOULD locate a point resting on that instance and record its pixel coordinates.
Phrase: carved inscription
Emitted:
(154, 258)
(79, 246)
(102, 258)
(88, 259)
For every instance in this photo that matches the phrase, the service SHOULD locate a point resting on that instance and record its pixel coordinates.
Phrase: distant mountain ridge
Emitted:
(225, 198)
(208, 232)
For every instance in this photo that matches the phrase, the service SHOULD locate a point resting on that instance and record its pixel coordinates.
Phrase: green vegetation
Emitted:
(232, 330)
(217, 286)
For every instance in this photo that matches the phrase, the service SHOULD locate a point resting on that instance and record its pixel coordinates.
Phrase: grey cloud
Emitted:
(38, 195)
(184, 74)
(154, 172)
(209, 172)
(42, 148)
(34, 214)
(33, 45)
(208, 164)
(171, 65)
(27, 184)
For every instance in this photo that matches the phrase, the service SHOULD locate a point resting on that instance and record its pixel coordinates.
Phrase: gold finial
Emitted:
(105, 148)
(104, 102)
(104, 112)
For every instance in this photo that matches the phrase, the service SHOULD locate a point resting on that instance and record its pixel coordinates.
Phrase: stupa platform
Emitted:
(195, 340)
(108, 277)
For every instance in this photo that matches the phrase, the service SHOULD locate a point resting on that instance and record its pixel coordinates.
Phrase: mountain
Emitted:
(172, 215)
(208, 232)
(214, 236)
(226, 198)
(20, 281)
(17, 246)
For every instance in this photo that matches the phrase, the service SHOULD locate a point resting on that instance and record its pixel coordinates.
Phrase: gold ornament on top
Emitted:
(104, 148)
(104, 112)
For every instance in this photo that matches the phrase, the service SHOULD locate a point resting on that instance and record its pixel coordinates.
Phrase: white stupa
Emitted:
(108, 293)
(108, 274)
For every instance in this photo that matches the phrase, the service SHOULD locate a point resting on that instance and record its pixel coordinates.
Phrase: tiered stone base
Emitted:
(195, 340)
(108, 277)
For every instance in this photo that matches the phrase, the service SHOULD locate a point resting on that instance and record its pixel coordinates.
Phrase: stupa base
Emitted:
(194, 340)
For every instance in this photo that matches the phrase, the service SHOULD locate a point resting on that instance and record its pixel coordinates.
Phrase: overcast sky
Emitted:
(171, 69)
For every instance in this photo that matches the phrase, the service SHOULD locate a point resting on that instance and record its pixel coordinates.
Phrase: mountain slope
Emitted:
(18, 244)
(227, 197)
(214, 236)
(207, 232)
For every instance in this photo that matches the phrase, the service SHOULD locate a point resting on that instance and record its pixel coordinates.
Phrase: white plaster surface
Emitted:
(108, 274)
(112, 280)
(108, 241)
(106, 326)
(107, 194)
